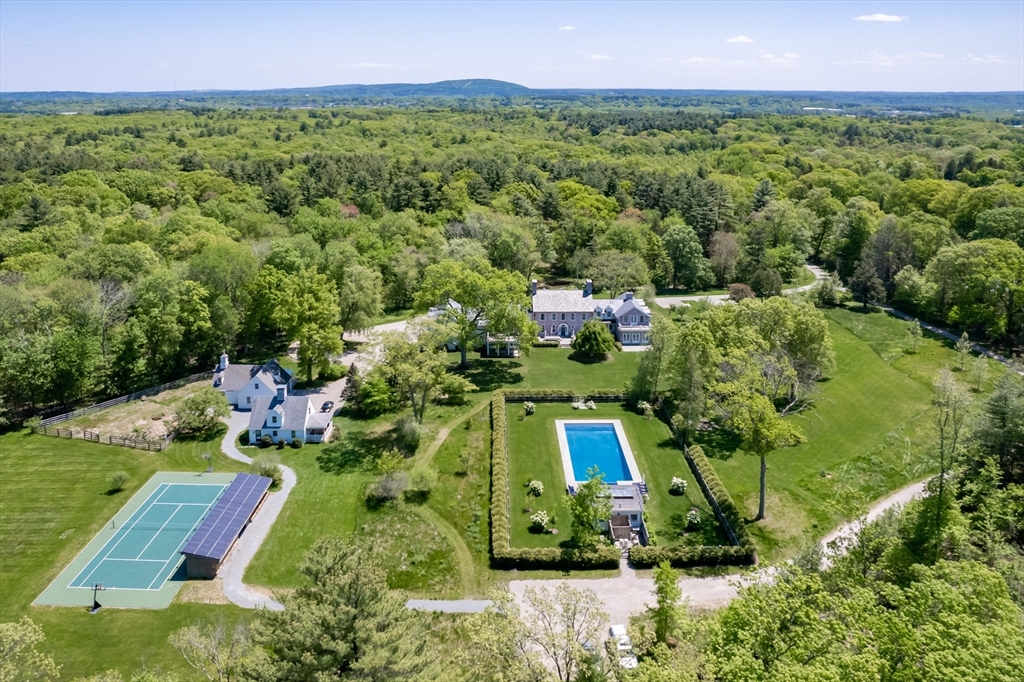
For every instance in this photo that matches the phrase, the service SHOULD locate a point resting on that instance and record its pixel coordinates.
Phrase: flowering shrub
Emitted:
(536, 488)
(678, 486)
(590, 405)
(539, 521)
(529, 408)
(692, 518)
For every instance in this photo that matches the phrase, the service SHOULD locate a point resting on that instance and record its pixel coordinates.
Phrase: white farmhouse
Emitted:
(243, 385)
(291, 418)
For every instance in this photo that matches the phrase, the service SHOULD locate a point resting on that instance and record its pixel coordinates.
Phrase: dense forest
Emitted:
(136, 247)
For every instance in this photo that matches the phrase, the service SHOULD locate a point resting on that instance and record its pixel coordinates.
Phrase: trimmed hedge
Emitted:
(546, 344)
(683, 557)
(680, 557)
(503, 555)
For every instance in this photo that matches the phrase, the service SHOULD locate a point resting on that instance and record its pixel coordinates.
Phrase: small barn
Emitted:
(227, 519)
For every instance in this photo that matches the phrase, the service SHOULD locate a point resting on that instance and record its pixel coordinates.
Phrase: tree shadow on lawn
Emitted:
(719, 443)
(490, 375)
(356, 451)
(588, 360)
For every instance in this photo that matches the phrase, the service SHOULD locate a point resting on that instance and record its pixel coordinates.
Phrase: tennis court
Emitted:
(144, 551)
(136, 555)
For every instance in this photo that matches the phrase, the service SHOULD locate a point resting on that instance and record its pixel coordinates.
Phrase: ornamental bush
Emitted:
(296, 443)
(678, 486)
(539, 522)
(529, 408)
(593, 340)
(536, 488)
(117, 481)
(693, 519)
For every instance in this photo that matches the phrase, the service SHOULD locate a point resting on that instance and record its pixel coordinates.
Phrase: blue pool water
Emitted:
(596, 445)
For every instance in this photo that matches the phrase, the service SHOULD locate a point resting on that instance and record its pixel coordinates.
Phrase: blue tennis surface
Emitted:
(597, 445)
(144, 552)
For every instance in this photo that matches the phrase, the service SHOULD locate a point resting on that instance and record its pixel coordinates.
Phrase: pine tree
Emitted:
(764, 194)
(866, 285)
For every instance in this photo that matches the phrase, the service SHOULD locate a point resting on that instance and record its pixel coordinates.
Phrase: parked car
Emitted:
(328, 406)
(623, 647)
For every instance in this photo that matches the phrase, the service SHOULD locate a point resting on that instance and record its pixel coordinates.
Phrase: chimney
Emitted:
(627, 296)
(533, 287)
(223, 362)
(588, 288)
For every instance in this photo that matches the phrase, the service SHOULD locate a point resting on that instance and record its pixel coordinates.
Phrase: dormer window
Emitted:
(273, 419)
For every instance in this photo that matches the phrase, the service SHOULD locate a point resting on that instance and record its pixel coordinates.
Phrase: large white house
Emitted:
(560, 313)
(295, 417)
(242, 385)
(265, 391)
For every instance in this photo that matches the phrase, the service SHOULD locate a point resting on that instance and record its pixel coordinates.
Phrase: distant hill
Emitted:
(490, 92)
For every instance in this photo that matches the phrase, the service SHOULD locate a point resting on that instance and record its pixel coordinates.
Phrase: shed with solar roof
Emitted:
(227, 519)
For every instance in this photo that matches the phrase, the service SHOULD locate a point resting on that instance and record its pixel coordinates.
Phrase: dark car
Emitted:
(328, 406)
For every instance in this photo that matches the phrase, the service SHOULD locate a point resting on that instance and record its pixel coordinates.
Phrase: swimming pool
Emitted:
(586, 443)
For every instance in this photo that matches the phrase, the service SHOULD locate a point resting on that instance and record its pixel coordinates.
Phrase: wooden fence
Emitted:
(144, 393)
(47, 426)
(97, 437)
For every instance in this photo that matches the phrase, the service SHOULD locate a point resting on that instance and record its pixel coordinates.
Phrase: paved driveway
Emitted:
(719, 299)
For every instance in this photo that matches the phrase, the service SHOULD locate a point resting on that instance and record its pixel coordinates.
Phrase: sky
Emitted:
(822, 45)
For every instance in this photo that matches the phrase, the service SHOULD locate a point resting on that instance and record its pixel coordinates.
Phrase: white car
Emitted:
(622, 641)
(623, 646)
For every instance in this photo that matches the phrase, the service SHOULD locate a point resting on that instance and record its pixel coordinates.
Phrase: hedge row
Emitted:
(503, 555)
(699, 461)
(682, 557)
(546, 344)
(557, 395)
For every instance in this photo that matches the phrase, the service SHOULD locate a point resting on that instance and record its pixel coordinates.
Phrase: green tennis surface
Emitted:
(136, 554)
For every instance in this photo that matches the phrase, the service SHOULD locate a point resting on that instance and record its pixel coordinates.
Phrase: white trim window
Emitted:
(632, 319)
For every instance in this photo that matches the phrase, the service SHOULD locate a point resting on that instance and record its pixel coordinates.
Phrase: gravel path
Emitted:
(626, 595)
(233, 569)
(719, 299)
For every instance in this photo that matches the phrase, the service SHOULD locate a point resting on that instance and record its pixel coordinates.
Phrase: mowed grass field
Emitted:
(534, 455)
(53, 499)
(869, 432)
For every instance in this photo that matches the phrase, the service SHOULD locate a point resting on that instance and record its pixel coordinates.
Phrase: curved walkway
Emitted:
(719, 299)
(233, 569)
(625, 595)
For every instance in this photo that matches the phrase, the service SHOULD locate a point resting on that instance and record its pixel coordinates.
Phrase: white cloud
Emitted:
(566, 28)
(739, 39)
(791, 55)
(879, 17)
(984, 59)
(598, 56)
(767, 55)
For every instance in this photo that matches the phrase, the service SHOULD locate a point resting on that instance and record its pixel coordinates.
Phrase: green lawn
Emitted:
(53, 499)
(868, 433)
(534, 455)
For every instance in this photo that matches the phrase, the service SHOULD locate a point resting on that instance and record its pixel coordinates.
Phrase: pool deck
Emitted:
(563, 447)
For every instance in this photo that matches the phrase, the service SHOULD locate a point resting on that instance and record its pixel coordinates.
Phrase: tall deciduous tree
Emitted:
(308, 312)
(589, 507)
(763, 430)
(665, 612)
(689, 266)
(560, 621)
(616, 272)
(593, 340)
(19, 658)
(475, 298)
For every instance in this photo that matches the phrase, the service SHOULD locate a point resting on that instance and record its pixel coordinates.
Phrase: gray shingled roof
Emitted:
(562, 301)
(293, 408)
(235, 377)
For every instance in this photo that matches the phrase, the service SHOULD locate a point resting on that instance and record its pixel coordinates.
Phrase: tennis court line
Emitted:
(122, 532)
(176, 556)
(159, 530)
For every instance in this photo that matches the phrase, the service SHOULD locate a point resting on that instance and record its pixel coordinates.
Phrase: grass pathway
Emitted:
(424, 460)
(467, 570)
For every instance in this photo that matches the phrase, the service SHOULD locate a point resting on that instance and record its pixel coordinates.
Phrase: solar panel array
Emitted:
(228, 517)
